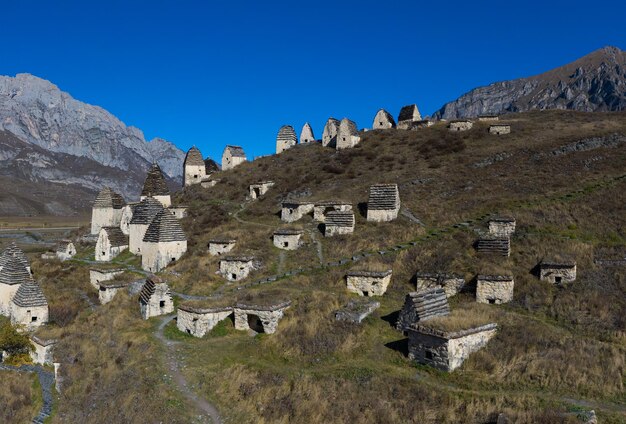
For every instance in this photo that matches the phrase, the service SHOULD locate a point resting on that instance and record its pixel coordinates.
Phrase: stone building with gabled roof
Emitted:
(12, 275)
(320, 209)
(259, 318)
(155, 186)
(286, 138)
(329, 136)
(235, 268)
(259, 189)
(65, 250)
(306, 135)
(111, 242)
(339, 223)
(194, 168)
(383, 204)
(383, 120)
(232, 156)
(164, 242)
(155, 298)
(495, 289)
(421, 306)
(347, 135)
(13, 251)
(368, 283)
(106, 210)
(287, 238)
(408, 115)
(29, 306)
(143, 215)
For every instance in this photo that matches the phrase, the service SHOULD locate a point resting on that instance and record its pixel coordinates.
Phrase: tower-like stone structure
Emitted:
(155, 186)
(329, 136)
(194, 168)
(347, 135)
(164, 243)
(107, 210)
(383, 120)
(306, 135)
(408, 115)
(232, 156)
(383, 203)
(144, 213)
(286, 138)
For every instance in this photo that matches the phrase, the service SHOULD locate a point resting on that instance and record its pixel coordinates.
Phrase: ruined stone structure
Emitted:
(446, 351)
(424, 123)
(178, 212)
(421, 306)
(383, 204)
(164, 242)
(294, 210)
(408, 115)
(557, 272)
(43, 350)
(339, 223)
(127, 216)
(462, 125)
(155, 186)
(498, 129)
(259, 189)
(144, 213)
(488, 118)
(194, 168)
(306, 135)
(356, 310)
(29, 307)
(502, 226)
(287, 238)
(155, 298)
(383, 120)
(232, 156)
(65, 250)
(111, 242)
(108, 289)
(198, 321)
(12, 275)
(107, 210)
(347, 135)
(495, 289)
(286, 138)
(259, 318)
(329, 136)
(452, 284)
(220, 246)
(368, 283)
(320, 209)
(97, 275)
(235, 268)
(209, 183)
(494, 245)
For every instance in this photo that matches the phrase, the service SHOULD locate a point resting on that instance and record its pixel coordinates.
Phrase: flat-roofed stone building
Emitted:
(259, 318)
(368, 283)
(452, 284)
(29, 307)
(235, 268)
(408, 115)
(557, 272)
(65, 250)
(106, 210)
(447, 350)
(286, 138)
(287, 238)
(108, 289)
(164, 243)
(98, 275)
(111, 242)
(460, 125)
(232, 157)
(488, 118)
(198, 321)
(383, 120)
(502, 226)
(383, 204)
(12, 275)
(259, 189)
(294, 210)
(421, 306)
(347, 135)
(144, 213)
(155, 186)
(495, 289)
(155, 298)
(194, 168)
(42, 354)
(320, 209)
(339, 223)
(329, 136)
(306, 135)
(499, 129)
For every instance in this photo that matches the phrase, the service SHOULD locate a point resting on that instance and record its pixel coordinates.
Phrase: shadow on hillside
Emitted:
(401, 346)
(391, 318)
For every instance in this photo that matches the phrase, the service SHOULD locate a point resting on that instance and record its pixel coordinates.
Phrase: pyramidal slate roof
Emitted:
(236, 151)
(340, 218)
(155, 183)
(12, 251)
(286, 134)
(30, 295)
(116, 237)
(211, 166)
(383, 197)
(194, 157)
(14, 272)
(148, 289)
(107, 198)
(146, 210)
(163, 228)
(409, 113)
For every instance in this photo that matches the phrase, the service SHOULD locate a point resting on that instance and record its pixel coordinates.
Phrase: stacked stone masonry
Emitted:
(194, 168)
(383, 120)
(329, 136)
(557, 272)
(347, 135)
(199, 321)
(156, 186)
(29, 307)
(143, 215)
(106, 210)
(65, 250)
(235, 268)
(306, 135)
(286, 138)
(494, 289)
(108, 289)
(233, 156)
(96, 275)
(42, 354)
(220, 246)
(421, 306)
(293, 211)
(259, 318)
(494, 246)
(456, 126)
(111, 242)
(339, 223)
(259, 189)
(155, 298)
(452, 284)
(287, 239)
(499, 129)
(368, 283)
(320, 209)
(502, 226)
(164, 242)
(383, 204)
(488, 118)
(408, 115)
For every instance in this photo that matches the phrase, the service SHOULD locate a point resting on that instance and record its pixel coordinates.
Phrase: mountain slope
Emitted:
(595, 82)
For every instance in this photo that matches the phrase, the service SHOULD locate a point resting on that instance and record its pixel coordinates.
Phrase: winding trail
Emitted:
(177, 376)
(46, 381)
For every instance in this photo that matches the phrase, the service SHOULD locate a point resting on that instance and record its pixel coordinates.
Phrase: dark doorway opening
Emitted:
(558, 280)
(255, 324)
(492, 301)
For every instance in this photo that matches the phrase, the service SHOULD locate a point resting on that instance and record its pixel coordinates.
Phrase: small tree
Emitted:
(16, 345)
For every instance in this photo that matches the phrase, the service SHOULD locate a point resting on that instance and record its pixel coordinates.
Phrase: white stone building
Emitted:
(339, 223)
(287, 238)
(495, 289)
(12, 275)
(198, 321)
(383, 204)
(329, 136)
(557, 272)
(155, 186)
(29, 307)
(106, 210)
(294, 210)
(155, 298)
(232, 157)
(499, 129)
(408, 115)
(220, 246)
(383, 120)
(488, 118)
(164, 243)
(194, 168)
(502, 226)
(347, 135)
(235, 268)
(286, 138)
(108, 289)
(144, 213)
(306, 135)
(320, 209)
(259, 318)
(42, 354)
(368, 283)
(461, 125)
(259, 189)
(111, 242)
(98, 275)
(65, 250)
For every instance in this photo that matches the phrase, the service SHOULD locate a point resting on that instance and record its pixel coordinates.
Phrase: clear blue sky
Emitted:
(213, 73)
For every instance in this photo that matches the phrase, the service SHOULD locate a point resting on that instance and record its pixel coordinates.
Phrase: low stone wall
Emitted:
(199, 321)
(107, 290)
(382, 215)
(494, 289)
(366, 283)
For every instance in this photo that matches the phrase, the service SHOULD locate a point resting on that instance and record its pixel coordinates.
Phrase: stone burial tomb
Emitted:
(356, 310)
(260, 318)
(65, 250)
(384, 203)
(111, 242)
(294, 210)
(97, 275)
(494, 289)
(232, 156)
(339, 223)
(198, 321)
(220, 246)
(462, 125)
(499, 129)
(164, 242)
(306, 135)
(108, 289)
(329, 136)
(320, 209)
(421, 306)
(503, 226)
(235, 268)
(557, 272)
(156, 186)
(106, 210)
(494, 245)
(194, 168)
(286, 138)
(155, 298)
(452, 284)
(29, 307)
(287, 238)
(347, 135)
(259, 189)
(408, 115)
(488, 118)
(383, 120)
(144, 213)
(368, 283)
